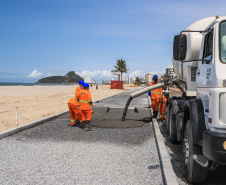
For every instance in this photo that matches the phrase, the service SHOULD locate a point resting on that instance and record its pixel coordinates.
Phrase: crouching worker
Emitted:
(85, 101)
(75, 112)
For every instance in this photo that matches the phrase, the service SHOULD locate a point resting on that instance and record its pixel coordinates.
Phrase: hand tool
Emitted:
(136, 108)
(101, 115)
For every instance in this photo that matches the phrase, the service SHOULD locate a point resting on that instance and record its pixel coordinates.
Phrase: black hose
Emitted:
(126, 108)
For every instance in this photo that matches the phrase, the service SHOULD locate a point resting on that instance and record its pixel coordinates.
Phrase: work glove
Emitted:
(149, 93)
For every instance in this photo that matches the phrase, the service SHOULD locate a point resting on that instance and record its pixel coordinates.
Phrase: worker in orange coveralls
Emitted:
(156, 95)
(162, 110)
(79, 88)
(75, 112)
(85, 101)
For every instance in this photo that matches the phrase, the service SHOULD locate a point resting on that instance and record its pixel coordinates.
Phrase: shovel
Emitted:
(108, 108)
(100, 115)
(136, 108)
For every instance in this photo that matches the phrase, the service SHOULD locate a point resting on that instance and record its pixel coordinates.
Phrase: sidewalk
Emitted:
(55, 153)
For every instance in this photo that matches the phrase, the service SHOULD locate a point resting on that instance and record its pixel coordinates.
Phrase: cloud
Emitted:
(102, 75)
(137, 73)
(96, 74)
(35, 74)
(154, 72)
(52, 74)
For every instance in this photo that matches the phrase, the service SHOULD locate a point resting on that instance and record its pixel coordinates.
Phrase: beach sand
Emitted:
(38, 102)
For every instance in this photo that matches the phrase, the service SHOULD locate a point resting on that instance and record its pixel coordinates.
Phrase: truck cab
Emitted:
(198, 118)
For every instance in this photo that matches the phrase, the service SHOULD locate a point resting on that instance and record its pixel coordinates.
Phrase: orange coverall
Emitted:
(155, 97)
(85, 99)
(74, 109)
(77, 90)
(163, 102)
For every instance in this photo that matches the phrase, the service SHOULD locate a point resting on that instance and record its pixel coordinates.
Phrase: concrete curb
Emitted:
(29, 125)
(167, 169)
(168, 174)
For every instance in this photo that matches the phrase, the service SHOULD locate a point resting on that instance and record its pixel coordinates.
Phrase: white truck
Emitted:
(197, 119)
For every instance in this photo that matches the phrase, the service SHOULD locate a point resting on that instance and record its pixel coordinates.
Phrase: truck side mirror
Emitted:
(180, 47)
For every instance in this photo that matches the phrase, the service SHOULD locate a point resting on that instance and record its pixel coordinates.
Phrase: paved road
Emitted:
(55, 153)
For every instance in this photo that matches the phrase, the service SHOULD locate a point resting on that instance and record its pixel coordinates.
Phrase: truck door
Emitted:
(205, 67)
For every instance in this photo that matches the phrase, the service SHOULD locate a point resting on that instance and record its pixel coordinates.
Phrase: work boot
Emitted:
(87, 128)
(81, 125)
(84, 125)
(155, 114)
(77, 123)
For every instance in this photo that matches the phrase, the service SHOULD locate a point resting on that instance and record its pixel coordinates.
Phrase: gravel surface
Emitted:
(55, 153)
(217, 177)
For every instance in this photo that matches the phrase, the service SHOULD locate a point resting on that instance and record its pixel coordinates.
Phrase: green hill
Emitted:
(69, 78)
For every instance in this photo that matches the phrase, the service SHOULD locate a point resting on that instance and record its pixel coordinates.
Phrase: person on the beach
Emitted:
(156, 95)
(85, 101)
(75, 112)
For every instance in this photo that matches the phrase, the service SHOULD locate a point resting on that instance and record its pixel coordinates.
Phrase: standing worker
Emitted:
(85, 101)
(156, 95)
(162, 110)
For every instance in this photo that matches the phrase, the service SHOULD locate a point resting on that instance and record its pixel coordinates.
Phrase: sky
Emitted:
(40, 38)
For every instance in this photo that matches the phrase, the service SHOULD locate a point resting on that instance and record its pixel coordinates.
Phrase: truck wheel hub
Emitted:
(186, 150)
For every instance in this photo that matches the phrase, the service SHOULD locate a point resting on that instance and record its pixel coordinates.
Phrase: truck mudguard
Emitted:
(194, 111)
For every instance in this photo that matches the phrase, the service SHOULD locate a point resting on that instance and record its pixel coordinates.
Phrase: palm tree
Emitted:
(120, 67)
(137, 81)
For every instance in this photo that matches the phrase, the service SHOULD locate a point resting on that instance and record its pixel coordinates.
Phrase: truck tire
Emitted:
(172, 127)
(167, 118)
(195, 173)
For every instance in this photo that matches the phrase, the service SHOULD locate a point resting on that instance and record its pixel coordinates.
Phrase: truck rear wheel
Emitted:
(172, 127)
(195, 173)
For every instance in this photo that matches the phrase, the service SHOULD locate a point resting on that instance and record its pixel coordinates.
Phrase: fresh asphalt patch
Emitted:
(115, 118)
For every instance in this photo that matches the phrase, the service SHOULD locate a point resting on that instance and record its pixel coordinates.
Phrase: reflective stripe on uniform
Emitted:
(73, 120)
(85, 101)
(156, 92)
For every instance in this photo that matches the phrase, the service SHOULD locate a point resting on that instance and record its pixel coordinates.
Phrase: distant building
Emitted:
(142, 80)
(105, 82)
(130, 79)
(148, 78)
(170, 71)
(88, 80)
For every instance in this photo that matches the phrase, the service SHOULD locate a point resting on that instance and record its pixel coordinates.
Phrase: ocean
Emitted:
(31, 84)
